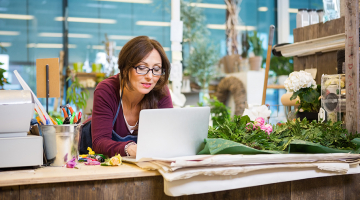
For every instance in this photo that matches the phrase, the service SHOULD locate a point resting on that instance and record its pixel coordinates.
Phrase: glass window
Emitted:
(296, 4)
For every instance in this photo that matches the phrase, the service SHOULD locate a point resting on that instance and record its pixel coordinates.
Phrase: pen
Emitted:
(59, 122)
(79, 117)
(72, 112)
(67, 120)
(64, 111)
(72, 118)
(53, 121)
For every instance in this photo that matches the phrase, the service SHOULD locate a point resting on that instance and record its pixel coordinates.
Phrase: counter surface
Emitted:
(130, 182)
(62, 174)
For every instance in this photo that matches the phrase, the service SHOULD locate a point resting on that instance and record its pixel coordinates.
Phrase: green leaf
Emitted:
(311, 96)
(295, 94)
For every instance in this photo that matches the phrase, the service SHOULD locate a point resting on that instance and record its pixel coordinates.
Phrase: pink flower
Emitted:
(71, 163)
(268, 128)
(259, 121)
(91, 162)
(248, 128)
(262, 127)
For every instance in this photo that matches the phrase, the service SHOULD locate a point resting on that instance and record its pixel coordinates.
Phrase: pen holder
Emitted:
(61, 143)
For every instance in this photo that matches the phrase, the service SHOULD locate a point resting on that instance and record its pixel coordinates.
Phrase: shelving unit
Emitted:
(323, 40)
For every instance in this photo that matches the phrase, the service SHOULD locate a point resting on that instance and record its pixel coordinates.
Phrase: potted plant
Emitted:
(282, 67)
(256, 44)
(3, 80)
(201, 65)
(194, 27)
(304, 87)
(245, 46)
(76, 93)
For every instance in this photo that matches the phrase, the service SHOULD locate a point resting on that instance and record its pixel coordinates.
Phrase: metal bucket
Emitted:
(61, 143)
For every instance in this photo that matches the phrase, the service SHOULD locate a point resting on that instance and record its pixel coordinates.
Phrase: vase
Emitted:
(204, 96)
(255, 63)
(310, 116)
(244, 65)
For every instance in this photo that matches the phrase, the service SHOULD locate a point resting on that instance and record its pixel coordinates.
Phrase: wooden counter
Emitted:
(62, 174)
(129, 182)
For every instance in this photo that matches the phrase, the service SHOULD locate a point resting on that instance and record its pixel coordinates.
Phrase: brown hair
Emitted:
(134, 52)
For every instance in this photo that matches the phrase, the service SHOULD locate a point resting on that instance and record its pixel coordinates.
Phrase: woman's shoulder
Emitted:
(110, 84)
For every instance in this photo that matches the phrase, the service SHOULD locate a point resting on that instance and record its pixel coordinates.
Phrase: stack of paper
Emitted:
(209, 173)
(186, 167)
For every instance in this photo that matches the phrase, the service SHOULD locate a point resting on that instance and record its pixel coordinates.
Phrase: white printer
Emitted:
(16, 112)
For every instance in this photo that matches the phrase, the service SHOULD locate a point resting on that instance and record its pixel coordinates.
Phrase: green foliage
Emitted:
(55, 114)
(309, 99)
(3, 80)
(201, 63)
(245, 45)
(256, 44)
(237, 130)
(194, 22)
(219, 112)
(328, 134)
(281, 65)
(77, 94)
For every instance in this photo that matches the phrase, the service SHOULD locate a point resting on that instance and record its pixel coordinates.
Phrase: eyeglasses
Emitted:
(156, 71)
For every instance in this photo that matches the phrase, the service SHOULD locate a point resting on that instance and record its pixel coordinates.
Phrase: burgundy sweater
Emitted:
(106, 101)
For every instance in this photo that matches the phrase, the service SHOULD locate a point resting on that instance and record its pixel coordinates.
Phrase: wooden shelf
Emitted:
(310, 47)
(275, 87)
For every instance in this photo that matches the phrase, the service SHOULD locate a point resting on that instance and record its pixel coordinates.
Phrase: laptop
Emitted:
(172, 132)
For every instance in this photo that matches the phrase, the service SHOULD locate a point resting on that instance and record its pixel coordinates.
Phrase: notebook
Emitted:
(171, 132)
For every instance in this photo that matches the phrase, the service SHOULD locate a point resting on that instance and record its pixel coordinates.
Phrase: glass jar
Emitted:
(313, 16)
(302, 18)
(320, 13)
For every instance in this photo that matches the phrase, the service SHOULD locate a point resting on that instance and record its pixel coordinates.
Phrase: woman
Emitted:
(141, 84)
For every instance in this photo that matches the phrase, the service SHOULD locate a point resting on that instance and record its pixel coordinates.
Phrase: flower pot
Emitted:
(310, 116)
(96, 67)
(255, 63)
(78, 66)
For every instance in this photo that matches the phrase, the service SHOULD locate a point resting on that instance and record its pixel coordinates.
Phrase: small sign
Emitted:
(312, 71)
(54, 77)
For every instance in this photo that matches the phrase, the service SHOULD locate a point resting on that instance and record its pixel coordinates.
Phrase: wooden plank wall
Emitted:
(352, 66)
(334, 187)
(325, 63)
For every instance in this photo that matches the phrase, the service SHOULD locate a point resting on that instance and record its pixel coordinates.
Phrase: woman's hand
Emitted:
(132, 150)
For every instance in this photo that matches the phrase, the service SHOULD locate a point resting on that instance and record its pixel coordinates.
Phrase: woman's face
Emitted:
(145, 83)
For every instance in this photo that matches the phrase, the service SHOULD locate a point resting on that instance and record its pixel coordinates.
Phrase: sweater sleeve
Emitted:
(104, 110)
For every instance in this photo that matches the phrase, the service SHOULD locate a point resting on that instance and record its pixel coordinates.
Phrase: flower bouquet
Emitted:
(240, 135)
(304, 86)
